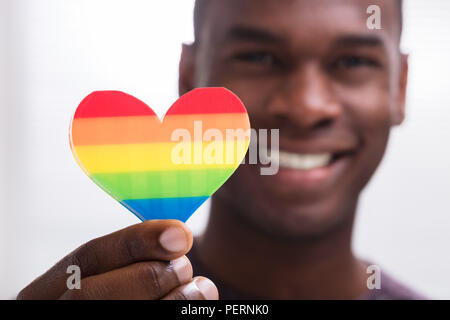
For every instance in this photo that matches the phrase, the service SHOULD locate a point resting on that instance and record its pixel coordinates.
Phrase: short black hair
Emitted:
(201, 7)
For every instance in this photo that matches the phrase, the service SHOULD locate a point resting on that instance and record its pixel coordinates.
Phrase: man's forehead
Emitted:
(316, 17)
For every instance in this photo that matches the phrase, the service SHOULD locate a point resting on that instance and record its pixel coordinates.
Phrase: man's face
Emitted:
(313, 70)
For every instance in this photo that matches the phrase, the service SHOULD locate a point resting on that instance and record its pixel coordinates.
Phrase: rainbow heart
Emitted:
(160, 170)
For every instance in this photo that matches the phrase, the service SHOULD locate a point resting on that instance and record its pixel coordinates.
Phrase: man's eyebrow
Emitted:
(254, 34)
(360, 40)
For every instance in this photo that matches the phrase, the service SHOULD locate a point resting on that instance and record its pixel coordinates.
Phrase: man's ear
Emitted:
(186, 69)
(400, 103)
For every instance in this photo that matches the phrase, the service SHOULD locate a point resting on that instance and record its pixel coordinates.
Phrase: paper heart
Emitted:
(160, 170)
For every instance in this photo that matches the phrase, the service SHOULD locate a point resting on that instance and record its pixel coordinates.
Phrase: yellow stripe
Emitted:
(161, 156)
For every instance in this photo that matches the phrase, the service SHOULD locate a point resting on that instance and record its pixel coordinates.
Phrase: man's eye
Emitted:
(262, 58)
(352, 62)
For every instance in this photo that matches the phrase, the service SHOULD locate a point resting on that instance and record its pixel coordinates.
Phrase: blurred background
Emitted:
(53, 53)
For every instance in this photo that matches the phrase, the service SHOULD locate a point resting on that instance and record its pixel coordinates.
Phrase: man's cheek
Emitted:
(367, 107)
(375, 119)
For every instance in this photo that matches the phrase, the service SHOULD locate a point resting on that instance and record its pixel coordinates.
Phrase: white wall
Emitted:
(3, 131)
(63, 50)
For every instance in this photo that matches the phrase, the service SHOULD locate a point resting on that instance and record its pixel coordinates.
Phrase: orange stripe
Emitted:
(148, 129)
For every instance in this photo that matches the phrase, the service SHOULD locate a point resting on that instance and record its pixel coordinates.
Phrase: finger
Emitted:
(199, 288)
(152, 240)
(142, 280)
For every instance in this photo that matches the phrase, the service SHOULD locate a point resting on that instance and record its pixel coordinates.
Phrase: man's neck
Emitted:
(258, 265)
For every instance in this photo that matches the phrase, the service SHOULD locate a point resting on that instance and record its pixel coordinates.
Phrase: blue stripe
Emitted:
(164, 208)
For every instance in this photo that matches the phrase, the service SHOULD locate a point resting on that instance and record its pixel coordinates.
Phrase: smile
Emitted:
(301, 161)
(310, 172)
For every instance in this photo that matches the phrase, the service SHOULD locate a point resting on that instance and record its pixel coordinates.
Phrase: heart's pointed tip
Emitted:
(165, 208)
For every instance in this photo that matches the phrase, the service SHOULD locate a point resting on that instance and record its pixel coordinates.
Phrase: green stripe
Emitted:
(163, 184)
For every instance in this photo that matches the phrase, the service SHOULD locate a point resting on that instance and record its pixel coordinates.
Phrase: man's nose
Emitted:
(306, 99)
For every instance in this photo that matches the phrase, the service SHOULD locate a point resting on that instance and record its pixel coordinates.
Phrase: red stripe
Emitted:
(208, 101)
(112, 104)
(199, 101)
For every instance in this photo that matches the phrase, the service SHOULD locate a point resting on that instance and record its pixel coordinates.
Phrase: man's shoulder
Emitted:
(390, 288)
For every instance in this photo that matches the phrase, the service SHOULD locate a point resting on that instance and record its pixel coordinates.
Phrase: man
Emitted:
(334, 88)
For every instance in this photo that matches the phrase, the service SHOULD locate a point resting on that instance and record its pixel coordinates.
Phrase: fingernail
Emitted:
(182, 269)
(207, 288)
(173, 239)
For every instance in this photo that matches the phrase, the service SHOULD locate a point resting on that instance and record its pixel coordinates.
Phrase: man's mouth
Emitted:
(304, 161)
(309, 173)
(301, 161)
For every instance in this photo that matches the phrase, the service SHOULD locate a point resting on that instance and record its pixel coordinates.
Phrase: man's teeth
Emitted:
(301, 161)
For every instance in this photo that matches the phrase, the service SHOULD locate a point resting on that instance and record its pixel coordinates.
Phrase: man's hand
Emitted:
(144, 261)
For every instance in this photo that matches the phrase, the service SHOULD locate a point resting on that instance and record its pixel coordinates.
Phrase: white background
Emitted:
(53, 53)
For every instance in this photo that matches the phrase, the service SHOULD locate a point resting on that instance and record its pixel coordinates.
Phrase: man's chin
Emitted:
(285, 213)
(297, 222)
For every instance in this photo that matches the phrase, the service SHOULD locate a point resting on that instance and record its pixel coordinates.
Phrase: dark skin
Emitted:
(128, 264)
(313, 70)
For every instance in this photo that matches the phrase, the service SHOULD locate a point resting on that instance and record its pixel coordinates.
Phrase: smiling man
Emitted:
(334, 89)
